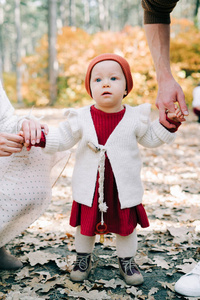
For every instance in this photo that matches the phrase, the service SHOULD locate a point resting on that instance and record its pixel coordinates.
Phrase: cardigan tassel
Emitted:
(101, 168)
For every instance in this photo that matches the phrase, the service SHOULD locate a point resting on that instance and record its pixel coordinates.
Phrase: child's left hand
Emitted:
(32, 132)
(177, 116)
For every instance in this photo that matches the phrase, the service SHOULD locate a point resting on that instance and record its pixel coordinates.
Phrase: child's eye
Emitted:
(98, 79)
(113, 78)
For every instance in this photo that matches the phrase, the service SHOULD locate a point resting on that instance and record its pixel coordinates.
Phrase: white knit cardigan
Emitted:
(121, 148)
(8, 121)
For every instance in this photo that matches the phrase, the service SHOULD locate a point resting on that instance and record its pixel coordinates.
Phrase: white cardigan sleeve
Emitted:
(8, 121)
(65, 136)
(151, 134)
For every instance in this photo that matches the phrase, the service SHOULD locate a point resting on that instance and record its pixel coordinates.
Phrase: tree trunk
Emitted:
(53, 64)
(103, 15)
(18, 51)
(196, 8)
(64, 13)
(196, 13)
(72, 13)
(86, 14)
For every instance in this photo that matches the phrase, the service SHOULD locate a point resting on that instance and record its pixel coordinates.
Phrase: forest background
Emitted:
(46, 45)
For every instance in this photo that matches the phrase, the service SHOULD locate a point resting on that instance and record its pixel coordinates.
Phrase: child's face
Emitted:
(108, 85)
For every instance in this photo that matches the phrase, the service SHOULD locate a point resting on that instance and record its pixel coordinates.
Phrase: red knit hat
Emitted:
(109, 56)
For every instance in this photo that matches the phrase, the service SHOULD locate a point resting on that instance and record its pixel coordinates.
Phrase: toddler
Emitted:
(106, 183)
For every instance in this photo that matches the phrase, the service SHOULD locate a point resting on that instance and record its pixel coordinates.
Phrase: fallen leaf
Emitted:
(24, 273)
(44, 276)
(167, 285)
(178, 231)
(41, 257)
(117, 282)
(94, 294)
(161, 262)
(185, 268)
(65, 264)
(152, 291)
(90, 285)
(110, 284)
(26, 294)
(134, 291)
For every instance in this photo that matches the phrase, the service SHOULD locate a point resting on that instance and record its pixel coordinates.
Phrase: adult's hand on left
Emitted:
(10, 143)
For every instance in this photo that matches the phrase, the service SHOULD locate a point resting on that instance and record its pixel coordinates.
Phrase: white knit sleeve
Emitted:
(65, 136)
(8, 121)
(143, 118)
(151, 134)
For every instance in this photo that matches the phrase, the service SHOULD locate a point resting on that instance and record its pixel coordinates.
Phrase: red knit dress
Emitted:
(120, 221)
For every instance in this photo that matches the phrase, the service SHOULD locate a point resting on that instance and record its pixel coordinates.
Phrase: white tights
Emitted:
(126, 245)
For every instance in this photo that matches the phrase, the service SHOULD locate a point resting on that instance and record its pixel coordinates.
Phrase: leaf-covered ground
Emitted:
(167, 249)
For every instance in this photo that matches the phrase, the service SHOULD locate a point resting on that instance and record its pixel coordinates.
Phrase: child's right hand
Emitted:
(40, 144)
(32, 132)
(177, 116)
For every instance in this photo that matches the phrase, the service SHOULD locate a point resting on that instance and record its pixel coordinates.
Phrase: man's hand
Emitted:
(10, 143)
(169, 92)
(32, 132)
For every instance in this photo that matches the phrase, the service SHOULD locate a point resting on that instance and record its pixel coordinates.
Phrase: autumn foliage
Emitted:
(75, 49)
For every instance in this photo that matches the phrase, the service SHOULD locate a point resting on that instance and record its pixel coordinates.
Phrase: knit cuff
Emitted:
(162, 132)
(52, 141)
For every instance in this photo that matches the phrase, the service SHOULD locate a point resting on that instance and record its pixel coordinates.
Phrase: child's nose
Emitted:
(106, 83)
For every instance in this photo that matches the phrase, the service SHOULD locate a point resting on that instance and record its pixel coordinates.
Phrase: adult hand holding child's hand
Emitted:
(10, 143)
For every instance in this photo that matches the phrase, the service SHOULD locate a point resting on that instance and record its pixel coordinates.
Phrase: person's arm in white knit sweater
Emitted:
(8, 121)
(66, 135)
(61, 138)
(10, 142)
(10, 125)
(156, 134)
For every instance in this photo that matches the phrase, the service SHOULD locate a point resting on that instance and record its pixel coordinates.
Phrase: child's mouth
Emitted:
(106, 93)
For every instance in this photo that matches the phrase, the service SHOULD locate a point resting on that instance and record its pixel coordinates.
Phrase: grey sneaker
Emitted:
(82, 267)
(129, 270)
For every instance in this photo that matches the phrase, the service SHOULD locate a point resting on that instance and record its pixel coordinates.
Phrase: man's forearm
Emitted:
(169, 91)
(158, 37)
